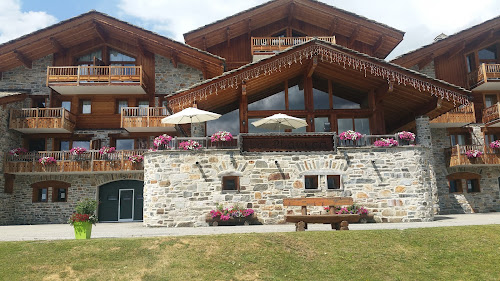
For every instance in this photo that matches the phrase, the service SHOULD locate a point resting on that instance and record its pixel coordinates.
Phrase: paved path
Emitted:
(136, 229)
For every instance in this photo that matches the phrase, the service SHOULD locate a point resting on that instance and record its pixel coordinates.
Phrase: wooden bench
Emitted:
(338, 221)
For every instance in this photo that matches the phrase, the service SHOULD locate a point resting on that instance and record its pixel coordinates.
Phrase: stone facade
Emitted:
(169, 79)
(427, 70)
(33, 79)
(180, 188)
(24, 211)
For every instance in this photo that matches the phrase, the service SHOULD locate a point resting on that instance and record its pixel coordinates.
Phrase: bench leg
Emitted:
(300, 226)
(344, 225)
(337, 225)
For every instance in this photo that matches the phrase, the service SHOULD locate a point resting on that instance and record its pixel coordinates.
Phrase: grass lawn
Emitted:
(452, 253)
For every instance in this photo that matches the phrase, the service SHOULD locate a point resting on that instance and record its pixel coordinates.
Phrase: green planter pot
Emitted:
(82, 230)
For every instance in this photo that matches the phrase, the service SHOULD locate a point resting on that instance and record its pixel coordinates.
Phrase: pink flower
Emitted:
(350, 135)
(221, 136)
(408, 136)
(386, 142)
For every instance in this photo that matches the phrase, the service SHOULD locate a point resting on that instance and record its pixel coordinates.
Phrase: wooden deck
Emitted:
(62, 78)
(90, 161)
(145, 119)
(42, 120)
(491, 114)
(455, 156)
(273, 44)
(484, 74)
(459, 116)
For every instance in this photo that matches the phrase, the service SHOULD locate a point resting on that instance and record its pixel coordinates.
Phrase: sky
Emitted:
(422, 20)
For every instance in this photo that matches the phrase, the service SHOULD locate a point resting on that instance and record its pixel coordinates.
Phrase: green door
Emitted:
(121, 201)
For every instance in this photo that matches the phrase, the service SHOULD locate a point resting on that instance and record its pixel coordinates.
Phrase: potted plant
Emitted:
(47, 160)
(386, 142)
(235, 215)
(406, 137)
(473, 154)
(495, 145)
(353, 209)
(349, 137)
(77, 152)
(190, 145)
(135, 159)
(220, 138)
(162, 142)
(83, 218)
(18, 151)
(106, 152)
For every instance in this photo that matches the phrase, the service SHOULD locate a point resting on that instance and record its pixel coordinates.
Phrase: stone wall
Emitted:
(24, 78)
(427, 70)
(180, 188)
(487, 200)
(25, 211)
(169, 79)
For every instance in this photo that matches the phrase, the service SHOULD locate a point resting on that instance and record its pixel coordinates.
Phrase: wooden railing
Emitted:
(143, 117)
(42, 118)
(90, 161)
(456, 155)
(491, 113)
(483, 73)
(461, 114)
(271, 44)
(82, 74)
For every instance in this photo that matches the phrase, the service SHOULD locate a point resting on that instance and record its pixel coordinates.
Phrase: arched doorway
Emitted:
(121, 201)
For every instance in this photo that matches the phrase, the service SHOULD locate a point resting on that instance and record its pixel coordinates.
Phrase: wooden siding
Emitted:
(149, 117)
(90, 161)
(463, 114)
(35, 120)
(451, 69)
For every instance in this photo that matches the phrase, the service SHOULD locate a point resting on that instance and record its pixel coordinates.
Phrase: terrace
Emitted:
(42, 120)
(456, 156)
(491, 115)
(485, 78)
(266, 45)
(457, 117)
(145, 119)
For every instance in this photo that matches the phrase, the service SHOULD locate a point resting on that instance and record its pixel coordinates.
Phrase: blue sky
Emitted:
(422, 20)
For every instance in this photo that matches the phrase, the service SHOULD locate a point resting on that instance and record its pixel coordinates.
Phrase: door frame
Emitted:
(119, 204)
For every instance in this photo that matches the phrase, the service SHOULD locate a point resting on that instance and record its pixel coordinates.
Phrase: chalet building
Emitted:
(94, 81)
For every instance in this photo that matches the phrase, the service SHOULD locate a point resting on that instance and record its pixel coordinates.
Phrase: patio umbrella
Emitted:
(190, 115)
(279, 121)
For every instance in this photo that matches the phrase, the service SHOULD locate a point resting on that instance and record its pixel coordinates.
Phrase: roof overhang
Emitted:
(412, 94)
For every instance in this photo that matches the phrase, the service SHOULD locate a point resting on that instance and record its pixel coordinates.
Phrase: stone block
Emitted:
(278, 176)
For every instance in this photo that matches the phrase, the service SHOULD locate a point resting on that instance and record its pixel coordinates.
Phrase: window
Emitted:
(86, 107)
(124, 144)
(143, 107)
(90, 56)
(296, 94)
(471, 62)
(455, 186)
(460, 139)
(333, 181)
(273, 102)
(38, 101)
(40, 194)
(231, 183)
(473, 186)
(79, 143)
(59, 194)
(489, 53)
(311, 182)
(121, 104)
(321, 124)
(321, 96)
(64, 146)
(116, 56)
(360, 125)
(36, 145)
(490, 100)
(66, 105)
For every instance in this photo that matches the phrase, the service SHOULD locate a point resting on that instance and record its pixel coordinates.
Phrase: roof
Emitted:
(29, 44)
(445, 44)
(327, 18)
(11, 96)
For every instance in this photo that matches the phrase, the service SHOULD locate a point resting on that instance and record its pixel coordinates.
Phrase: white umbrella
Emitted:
(278, 121)
(190, 115)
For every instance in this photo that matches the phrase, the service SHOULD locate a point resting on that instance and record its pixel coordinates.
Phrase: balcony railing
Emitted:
(484, 73)
(464, 114)
(273, 44)
(144, 119)
(491, 113)
(42, 120)
(456, 155)
(66, 76)
(89, 162)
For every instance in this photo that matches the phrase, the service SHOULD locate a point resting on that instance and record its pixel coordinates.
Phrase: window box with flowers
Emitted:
(162, 142)
(83, 218)
(235, 215)
(47, 162)
(349, 138)
(136, 160)
(474, 155)
(190, 145)
(365, 216)
(495, 145)
(385, 142)
(107, 152)
(221, 139)
(78, 153)
(18, 151)
(406, 138)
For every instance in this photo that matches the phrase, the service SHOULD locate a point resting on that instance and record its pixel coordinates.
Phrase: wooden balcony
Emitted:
(266, 45)
(89, 162)
(485, 78)
(457, 117)
(42, 120)
(81, 80)
(145, 119)
(456, 156)
(491, 116)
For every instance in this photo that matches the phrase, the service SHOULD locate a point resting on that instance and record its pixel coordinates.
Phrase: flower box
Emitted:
(217, 221)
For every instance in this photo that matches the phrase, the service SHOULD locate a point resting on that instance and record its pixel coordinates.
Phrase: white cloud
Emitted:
(422, 20)
(15, 23)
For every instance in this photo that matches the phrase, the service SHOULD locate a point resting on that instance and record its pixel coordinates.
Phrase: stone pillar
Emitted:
(198, 129)
(477, 136)
(423, 131)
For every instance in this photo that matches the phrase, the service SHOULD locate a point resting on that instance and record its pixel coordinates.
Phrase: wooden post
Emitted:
(485, 75)
(243, 109)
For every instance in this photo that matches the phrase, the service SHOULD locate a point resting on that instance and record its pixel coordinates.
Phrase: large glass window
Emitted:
(90, 56)
(489, 53)
(321, 124)
(121, 104)
(66, 105)
(227, 122)
(116, 56)
(81, 143)
(296, 94)
(471, 62)
(321, 97)
(360, 125)
(124, 144)
(460, 139)
(274, 102)
(64, 146)
(341, 103)
(490, 100)
(36, 145)
(344, 124)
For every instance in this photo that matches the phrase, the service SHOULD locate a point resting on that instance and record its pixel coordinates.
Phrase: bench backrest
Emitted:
(331, 201)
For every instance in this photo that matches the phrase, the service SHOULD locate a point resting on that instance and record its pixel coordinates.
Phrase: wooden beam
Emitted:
(243, 109)
(57, 46)
(382, 91)
(290, 13)
(249, 29)
(354, 35)
(425, 61)
(23, 59)
(204, 43)
(453, 52)
(174, 58)
(378, 44)
(141, 48)
(228, 37)
(481, 39)
(100, 32)
(333, 27)
(312, 66)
